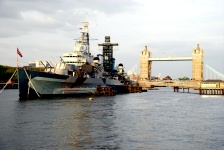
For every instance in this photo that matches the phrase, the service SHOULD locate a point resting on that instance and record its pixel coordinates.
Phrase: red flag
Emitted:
(19, 53)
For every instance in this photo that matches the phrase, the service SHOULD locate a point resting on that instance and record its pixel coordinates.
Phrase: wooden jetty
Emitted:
(176, 88)
(207, 87)
(212, 87)
(211, 91)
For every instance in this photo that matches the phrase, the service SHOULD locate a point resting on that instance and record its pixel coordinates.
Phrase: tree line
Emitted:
(6, 72)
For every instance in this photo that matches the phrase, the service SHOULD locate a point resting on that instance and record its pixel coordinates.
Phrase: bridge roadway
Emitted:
(170, 59)
(170, 83)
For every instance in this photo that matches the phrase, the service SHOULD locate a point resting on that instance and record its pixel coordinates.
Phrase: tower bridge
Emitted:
(197, 81)
(196, 58)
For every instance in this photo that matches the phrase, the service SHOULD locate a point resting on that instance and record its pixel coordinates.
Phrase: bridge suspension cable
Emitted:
(134, 69)
(211, 73)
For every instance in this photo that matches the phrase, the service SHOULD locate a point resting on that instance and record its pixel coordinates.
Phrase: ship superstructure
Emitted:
(81, 51)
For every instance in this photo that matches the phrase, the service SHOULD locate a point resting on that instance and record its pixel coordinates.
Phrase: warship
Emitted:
(78, 72)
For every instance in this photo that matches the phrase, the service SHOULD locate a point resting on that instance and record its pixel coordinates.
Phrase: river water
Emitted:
(157, 119)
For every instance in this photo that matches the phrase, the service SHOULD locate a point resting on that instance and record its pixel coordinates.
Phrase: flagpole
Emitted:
(20, 54)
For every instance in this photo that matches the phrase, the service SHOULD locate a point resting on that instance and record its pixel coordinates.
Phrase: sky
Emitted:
(45, 29)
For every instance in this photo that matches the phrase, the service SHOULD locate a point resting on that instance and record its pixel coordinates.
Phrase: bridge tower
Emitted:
(197, 64)
(145, 64)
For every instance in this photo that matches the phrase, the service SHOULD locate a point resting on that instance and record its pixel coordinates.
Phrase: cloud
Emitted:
(172, 27)
(37, 17)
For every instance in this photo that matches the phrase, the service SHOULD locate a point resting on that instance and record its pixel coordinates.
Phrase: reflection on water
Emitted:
(211, 96)
(157, 119)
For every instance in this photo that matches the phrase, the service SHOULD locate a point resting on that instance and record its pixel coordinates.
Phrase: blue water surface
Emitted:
(157, 119)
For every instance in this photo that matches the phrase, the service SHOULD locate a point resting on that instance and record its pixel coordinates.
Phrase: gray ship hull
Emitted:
(36, 84)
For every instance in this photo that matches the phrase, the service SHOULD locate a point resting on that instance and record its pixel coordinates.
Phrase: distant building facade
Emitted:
(37, 64)
(212, 84)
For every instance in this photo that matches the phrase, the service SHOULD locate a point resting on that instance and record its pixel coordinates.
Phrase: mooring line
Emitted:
(31, 83)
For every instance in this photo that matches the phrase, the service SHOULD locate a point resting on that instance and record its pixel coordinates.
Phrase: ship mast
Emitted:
(108, 60)
(85, 35)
